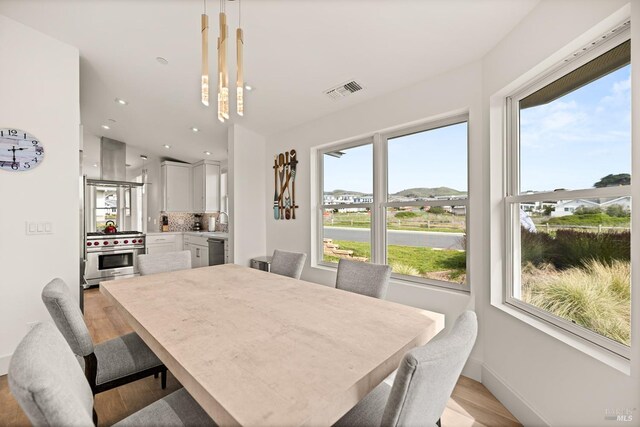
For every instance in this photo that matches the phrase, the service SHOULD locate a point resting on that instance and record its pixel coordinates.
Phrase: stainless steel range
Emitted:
(112, 256)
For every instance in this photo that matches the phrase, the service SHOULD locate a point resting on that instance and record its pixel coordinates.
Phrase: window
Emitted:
(408, 211)
(568, 196)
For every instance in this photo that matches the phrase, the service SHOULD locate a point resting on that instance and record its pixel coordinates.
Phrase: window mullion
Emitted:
(378, 214)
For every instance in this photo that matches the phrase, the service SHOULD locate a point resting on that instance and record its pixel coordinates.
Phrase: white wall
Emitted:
(39, 89)
(556, 383)
(247, 195)
(539, 378)
(445, 95)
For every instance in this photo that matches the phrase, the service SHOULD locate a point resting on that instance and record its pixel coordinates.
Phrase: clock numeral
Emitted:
(35, 159)
(39, 151)
(34, 142)
(15, 166)
(27, 165)
(13, 132)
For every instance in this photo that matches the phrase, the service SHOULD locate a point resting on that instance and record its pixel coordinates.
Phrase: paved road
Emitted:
(430, 239)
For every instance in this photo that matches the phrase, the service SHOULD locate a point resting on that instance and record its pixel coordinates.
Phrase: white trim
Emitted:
(473, 369)
(4, 363)
(511, 197)
(511, 399)
(605, 356)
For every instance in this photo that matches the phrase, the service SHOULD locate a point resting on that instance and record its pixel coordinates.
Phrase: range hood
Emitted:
(113, 168)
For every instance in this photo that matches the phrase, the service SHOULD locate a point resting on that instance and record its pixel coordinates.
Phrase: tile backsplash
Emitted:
(185, 221)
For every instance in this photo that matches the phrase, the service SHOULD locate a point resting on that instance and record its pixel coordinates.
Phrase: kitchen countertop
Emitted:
(216, 234)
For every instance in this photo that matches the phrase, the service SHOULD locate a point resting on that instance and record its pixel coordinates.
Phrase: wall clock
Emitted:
(19, 150)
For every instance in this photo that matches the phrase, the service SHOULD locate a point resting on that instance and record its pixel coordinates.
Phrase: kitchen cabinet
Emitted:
(199, 248)
(161, 243)
(206, 186)
(176, 187)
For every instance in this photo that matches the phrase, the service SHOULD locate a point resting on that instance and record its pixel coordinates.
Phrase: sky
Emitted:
(435, 158)
(569, 143)
(579, 138)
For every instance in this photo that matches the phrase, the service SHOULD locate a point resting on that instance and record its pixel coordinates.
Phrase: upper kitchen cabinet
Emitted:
(176, 187)
(206, 186)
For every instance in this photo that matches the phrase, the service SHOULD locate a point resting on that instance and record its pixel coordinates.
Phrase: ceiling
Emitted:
(294, 51)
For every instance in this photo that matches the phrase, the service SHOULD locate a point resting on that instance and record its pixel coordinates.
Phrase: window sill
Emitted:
(607, 357)
(399, 281)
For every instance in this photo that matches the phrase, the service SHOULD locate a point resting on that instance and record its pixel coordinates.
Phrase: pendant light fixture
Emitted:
(240, 68)
(223, 76)
(204, 84)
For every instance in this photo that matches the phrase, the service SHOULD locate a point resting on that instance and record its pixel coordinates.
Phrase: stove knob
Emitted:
(133, 240)
(115, 242)
(88, 243)
(96, 243)
(126, 241)
(105, 243)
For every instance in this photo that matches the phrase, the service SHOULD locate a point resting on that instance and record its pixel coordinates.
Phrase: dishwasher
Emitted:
(216, 251)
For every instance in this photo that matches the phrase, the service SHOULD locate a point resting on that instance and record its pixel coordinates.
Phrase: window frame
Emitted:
(512, 197)
(378, 208)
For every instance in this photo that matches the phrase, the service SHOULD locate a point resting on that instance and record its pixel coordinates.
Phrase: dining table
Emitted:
(258, 349)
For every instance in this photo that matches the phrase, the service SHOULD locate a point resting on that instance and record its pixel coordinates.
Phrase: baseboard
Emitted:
(511, 399)
(4, 364)
(473, 369)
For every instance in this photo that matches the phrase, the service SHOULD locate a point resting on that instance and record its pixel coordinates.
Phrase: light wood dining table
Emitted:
(255, 348)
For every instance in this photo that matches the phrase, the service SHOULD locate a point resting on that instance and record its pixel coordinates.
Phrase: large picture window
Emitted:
(568, 196)
(399, 198)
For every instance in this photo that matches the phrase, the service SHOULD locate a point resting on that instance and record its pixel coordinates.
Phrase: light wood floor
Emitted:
(470, 405)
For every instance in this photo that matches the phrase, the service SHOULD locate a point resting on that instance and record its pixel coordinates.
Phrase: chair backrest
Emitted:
(164, 263)
(48, 382)
(363, 278)
(427, 375)
(66, 314)
(287, 263)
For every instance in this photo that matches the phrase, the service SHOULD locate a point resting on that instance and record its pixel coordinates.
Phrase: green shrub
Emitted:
(574, 248)
(618, 211)
(595, 296)
(406, 214)
(584, 210)
(407, 270)
(593, 219)
(436, 210)
(536, 248)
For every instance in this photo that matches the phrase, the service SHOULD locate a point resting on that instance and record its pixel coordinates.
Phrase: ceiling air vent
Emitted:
(344, 89)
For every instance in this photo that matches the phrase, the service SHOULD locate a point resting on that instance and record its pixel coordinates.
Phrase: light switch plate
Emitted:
(33, 228)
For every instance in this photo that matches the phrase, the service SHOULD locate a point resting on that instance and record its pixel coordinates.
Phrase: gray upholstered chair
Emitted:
(48, 383)
(423, 384)
(109, 364)
(287, 263)
(363, 278)
(164, 263)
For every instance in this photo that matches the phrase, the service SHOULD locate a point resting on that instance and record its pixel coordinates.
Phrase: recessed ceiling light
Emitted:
(195, 129)
(248, 87)
(162, 60)
(121, 101)
(143, 157)
(106, 127)
(208, 153)
(166, 146)
(95, 165)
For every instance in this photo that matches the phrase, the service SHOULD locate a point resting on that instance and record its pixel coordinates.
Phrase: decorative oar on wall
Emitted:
(284, 176)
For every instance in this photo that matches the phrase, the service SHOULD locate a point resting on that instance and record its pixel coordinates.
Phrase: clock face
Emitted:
(19, 150)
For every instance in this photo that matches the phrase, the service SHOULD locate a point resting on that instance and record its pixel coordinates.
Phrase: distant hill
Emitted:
(429, 192)
(409, 192)
(342, 192)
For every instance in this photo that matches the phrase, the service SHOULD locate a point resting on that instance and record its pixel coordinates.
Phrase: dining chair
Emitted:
(164, 262)
(423, 384)
(108, 364)
(363, 278)
(48, 383)
(287, 263)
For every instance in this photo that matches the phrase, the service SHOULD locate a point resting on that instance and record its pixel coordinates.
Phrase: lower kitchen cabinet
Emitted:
(162, 243)
(199, 248)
